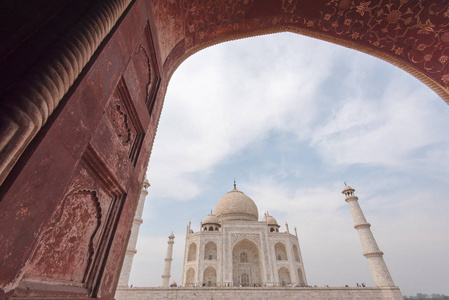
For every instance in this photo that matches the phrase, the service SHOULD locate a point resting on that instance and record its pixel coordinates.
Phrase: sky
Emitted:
(291, 119)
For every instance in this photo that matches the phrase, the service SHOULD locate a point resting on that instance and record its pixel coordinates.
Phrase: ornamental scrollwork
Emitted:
(236, 237)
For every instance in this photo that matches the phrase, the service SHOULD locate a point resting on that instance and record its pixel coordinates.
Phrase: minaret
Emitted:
(379, 269)
(168, 259)
(131, 249)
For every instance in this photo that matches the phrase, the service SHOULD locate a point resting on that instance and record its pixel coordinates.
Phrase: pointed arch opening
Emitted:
(210, 251)
(210, 276)
(246, 264)
(284, 276)
(296, 253)
(192, 252)
(190, 277)
(301, 280)
(280, 251)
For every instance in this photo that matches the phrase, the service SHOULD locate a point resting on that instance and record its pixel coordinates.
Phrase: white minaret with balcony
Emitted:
(371, 251)
(168, 260)
(131, 249)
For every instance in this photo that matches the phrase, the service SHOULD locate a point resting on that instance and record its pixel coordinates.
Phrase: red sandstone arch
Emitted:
(82, 88)
(412, 35)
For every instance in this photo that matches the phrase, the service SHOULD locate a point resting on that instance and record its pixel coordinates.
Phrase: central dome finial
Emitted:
(235, 185)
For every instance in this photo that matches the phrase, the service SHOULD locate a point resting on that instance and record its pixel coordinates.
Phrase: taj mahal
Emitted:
(234, 248)
(235, 256)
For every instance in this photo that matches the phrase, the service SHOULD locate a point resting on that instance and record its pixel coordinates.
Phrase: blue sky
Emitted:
(291, 118)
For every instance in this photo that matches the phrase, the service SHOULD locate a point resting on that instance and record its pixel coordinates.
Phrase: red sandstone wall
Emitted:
(67, 207)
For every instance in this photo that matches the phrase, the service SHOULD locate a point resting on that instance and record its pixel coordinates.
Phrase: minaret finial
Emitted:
(211, 211)
(235, 185)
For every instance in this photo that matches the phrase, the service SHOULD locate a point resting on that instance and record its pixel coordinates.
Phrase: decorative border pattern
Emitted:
(413, 35)
(236, 237)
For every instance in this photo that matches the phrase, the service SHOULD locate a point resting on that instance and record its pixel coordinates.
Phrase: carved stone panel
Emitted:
(125, 121)
(74, 245)
(142, 75)
(72, 237)
(236, 237)
(154, 75)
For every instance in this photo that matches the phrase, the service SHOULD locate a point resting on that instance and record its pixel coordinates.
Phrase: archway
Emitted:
(210, 251)
(289, 251)
(301, 278)
(296, 253)
(284, 276)
(280, 251)
(190, 277)
(246, 264)
(192, 252)
(136, 75)
(210, 276)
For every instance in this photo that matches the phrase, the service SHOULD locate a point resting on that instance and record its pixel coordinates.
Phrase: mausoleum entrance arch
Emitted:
(83, 106)
(246, 264)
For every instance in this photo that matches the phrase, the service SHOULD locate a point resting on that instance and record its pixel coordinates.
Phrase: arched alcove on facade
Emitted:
(81, 101)
(210, 276)
(246, 264)
(210, 251)
(284, 276)
(296, 253)
(190, 277)
(301, 278)
(192, 252)
(280, 251)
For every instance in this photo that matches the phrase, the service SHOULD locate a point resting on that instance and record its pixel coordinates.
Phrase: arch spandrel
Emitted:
(412, 35)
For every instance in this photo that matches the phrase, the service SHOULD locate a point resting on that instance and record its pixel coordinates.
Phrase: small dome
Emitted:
(270, 220)
(235, 205)
(171, 236)
(347, 188)
(211, 219)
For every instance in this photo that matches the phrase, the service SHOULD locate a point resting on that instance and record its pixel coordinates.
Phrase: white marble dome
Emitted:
(270, 220)
(235, 205)
(211, 219)
(348, 191)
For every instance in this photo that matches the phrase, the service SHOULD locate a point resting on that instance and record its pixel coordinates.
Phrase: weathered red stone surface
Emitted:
(67, 205)
(73, 198)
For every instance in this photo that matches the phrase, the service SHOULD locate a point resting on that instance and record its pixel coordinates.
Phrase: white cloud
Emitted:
(217, 109)
(384, 131)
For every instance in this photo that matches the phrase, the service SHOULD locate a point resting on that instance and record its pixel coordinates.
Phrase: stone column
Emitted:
(131, 249)
(168, 259)
(379, 269)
